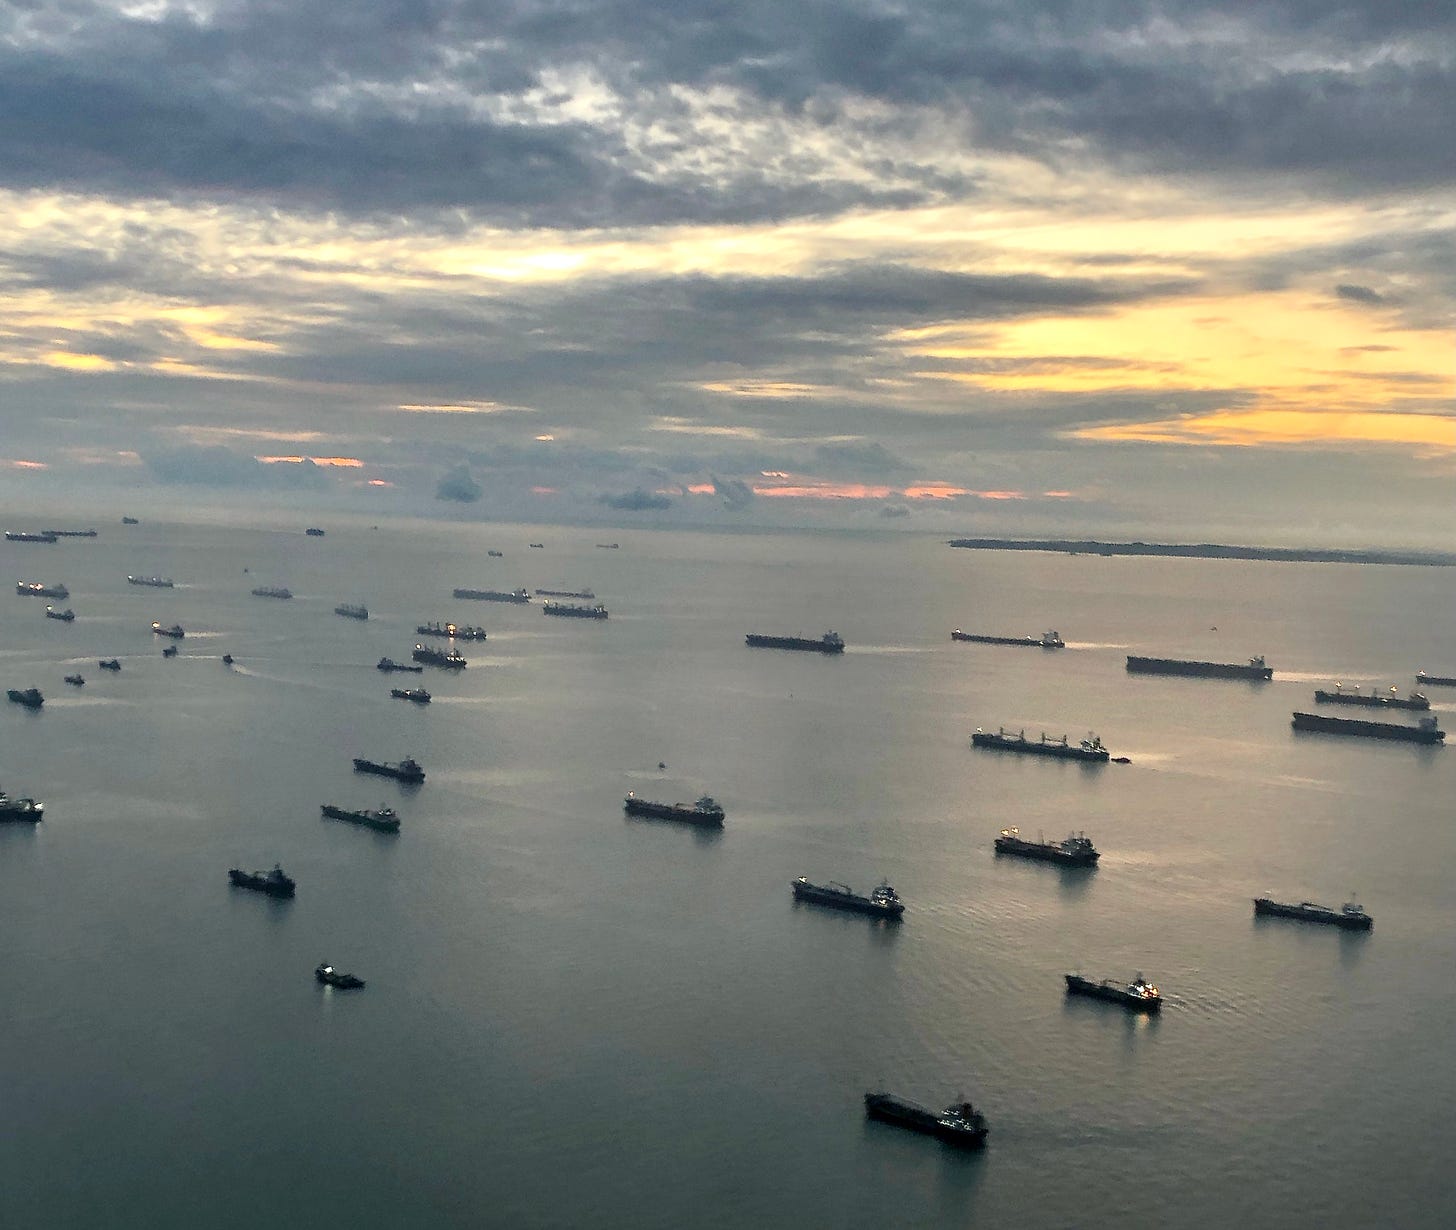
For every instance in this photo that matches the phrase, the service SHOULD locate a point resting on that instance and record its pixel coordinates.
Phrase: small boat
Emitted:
(330, 977)
(227, 659)
(418, 695)
(65, 616)
(75, 681)
(29, 697)
(175, 631)
(170, 651)
(109, 664)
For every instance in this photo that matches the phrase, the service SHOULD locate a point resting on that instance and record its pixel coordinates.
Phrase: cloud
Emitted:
(734, 492)
(221, 467)
(458, 485)
(1358, 294)
(894, 511)
(636, 501)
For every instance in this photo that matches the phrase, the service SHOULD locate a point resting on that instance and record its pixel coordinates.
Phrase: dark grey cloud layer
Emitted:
(392, 106)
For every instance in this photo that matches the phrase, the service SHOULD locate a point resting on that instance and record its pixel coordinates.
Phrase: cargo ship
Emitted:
(1076, 850)
(1090, 748)
(565, 593)
(1253, 669)
(28, 536)
(883, 902)
(29, 697)
(575, 612)
(154, 582)
(706, 812)
(76, 681)
(1425, 732)
(1349, 917)
(418, 695)
(456, 632)
(1445, 681)
(405, 771)
(1139, 995)
(494, 595)
(272, 591)
(389, 664)
(314, 532)
(830, 642)
(352, 610)
(275, 883)
(70, 533)
(65, 616)
(109, 664)
(1047, 640)
(175, 631)
(130, 521)
(958, 1124)
(496, 554)
(35, 589)
(329, 976)
(20, 809)
(386, 819)
(439, 657)
(1378, 700)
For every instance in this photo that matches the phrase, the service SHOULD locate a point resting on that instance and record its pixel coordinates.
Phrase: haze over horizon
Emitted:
(1178, 270)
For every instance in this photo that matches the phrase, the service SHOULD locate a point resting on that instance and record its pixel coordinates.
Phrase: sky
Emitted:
(986, 266)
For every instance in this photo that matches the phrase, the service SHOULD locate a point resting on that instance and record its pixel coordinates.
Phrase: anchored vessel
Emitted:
(1425, 732)
(1139, 995)
(1253, 669)
(1047, 640)
(385, 819)
(418, 695)
(29, 697)
(273, 591)
(352, 610)
(65, 616)
(36, 589)
(389, 664)
(70, 533)
(20, 809)
(314, 532)
(958, 1124)
(109, 664)
(327, 974)
(1378, 700)
(439, 657)
(1089, 748)
(274, 882)
(1076, 850)
(130, 521)
(1445, 681)
(494, 595)
(883, 902)
(406, 770)
(565, 593)
(29, 536)
(1349, 917)
(170, 651)
(175, 631)
(830, 642)
(469, 632)
(575, 612)
(76, 681)
(705, 812)
(154, 582)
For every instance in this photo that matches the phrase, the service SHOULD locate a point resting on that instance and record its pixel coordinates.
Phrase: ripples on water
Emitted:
(574, 1018)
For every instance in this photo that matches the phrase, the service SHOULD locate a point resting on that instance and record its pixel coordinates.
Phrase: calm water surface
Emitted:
(578, 1019)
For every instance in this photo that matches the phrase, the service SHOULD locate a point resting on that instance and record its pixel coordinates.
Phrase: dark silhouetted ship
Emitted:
(1139, 995)
(1349, 917)
(830, 642)
(575, 612)
(494, 595)
(154, 582)
(1425, 732)
(386, 820)
(274, 882)
(331, 977)
(706, 812)
(272, 591)
(565, 593)
(452, 659)
(65, 616)
(389, 664)
(418, 695)
(406, 770)
(35, 589)
(457, 632)
(29, 697)
(29, 536)
(1253, 669)
(20, 810)
(1047, 640)
(883, 902)
(1444, 681)
(1090, 748)
(1376, 700)
(958, 1124)
(352, 610)
(1076, 850)
(175, 631)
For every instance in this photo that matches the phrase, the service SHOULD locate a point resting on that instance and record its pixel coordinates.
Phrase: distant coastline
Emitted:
(1211, 550)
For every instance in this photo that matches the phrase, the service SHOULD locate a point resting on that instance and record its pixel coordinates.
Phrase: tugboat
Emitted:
(154, 582)
(435, 657)
(1090, 748)
(175, 631)
(30, 697)
(494, 595)
(1376, 700)
(329, 976)
(1047, 640)
(109, 664)
(883, 902)
(960, 1123)
(406, 770)
(1138, 995)
(418, 695)
(706, 812)
(352, 610)
(1076, 850)
(1349, 917)
(575, 612)
(830, 642)
(65, 616)
(75, 681)
(385, 820)
(1425, 731)
(275, 883)
(20, 809)
(1254, 669)
(35, 589)
(389, 664)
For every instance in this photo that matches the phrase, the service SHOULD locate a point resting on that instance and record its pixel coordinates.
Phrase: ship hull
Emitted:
(1057, 751)
(794, 642)
(1202, 670)
(1374, 702)
(491, 595)
(1046, 853)
(1030, 642)
(1266, 908)
(673, 811)
(852, 902)
(1368, 730)
(1112, 994)
(261, 884)
(388, 770)
(1444, 681)
(366, 819)
(21, 810)
(889, 1109)
(574, 612)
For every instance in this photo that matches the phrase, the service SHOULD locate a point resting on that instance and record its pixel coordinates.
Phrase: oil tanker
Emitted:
(1426, 732)
(1253, 669)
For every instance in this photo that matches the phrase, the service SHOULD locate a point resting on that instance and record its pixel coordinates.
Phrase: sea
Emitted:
(578, 1018)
